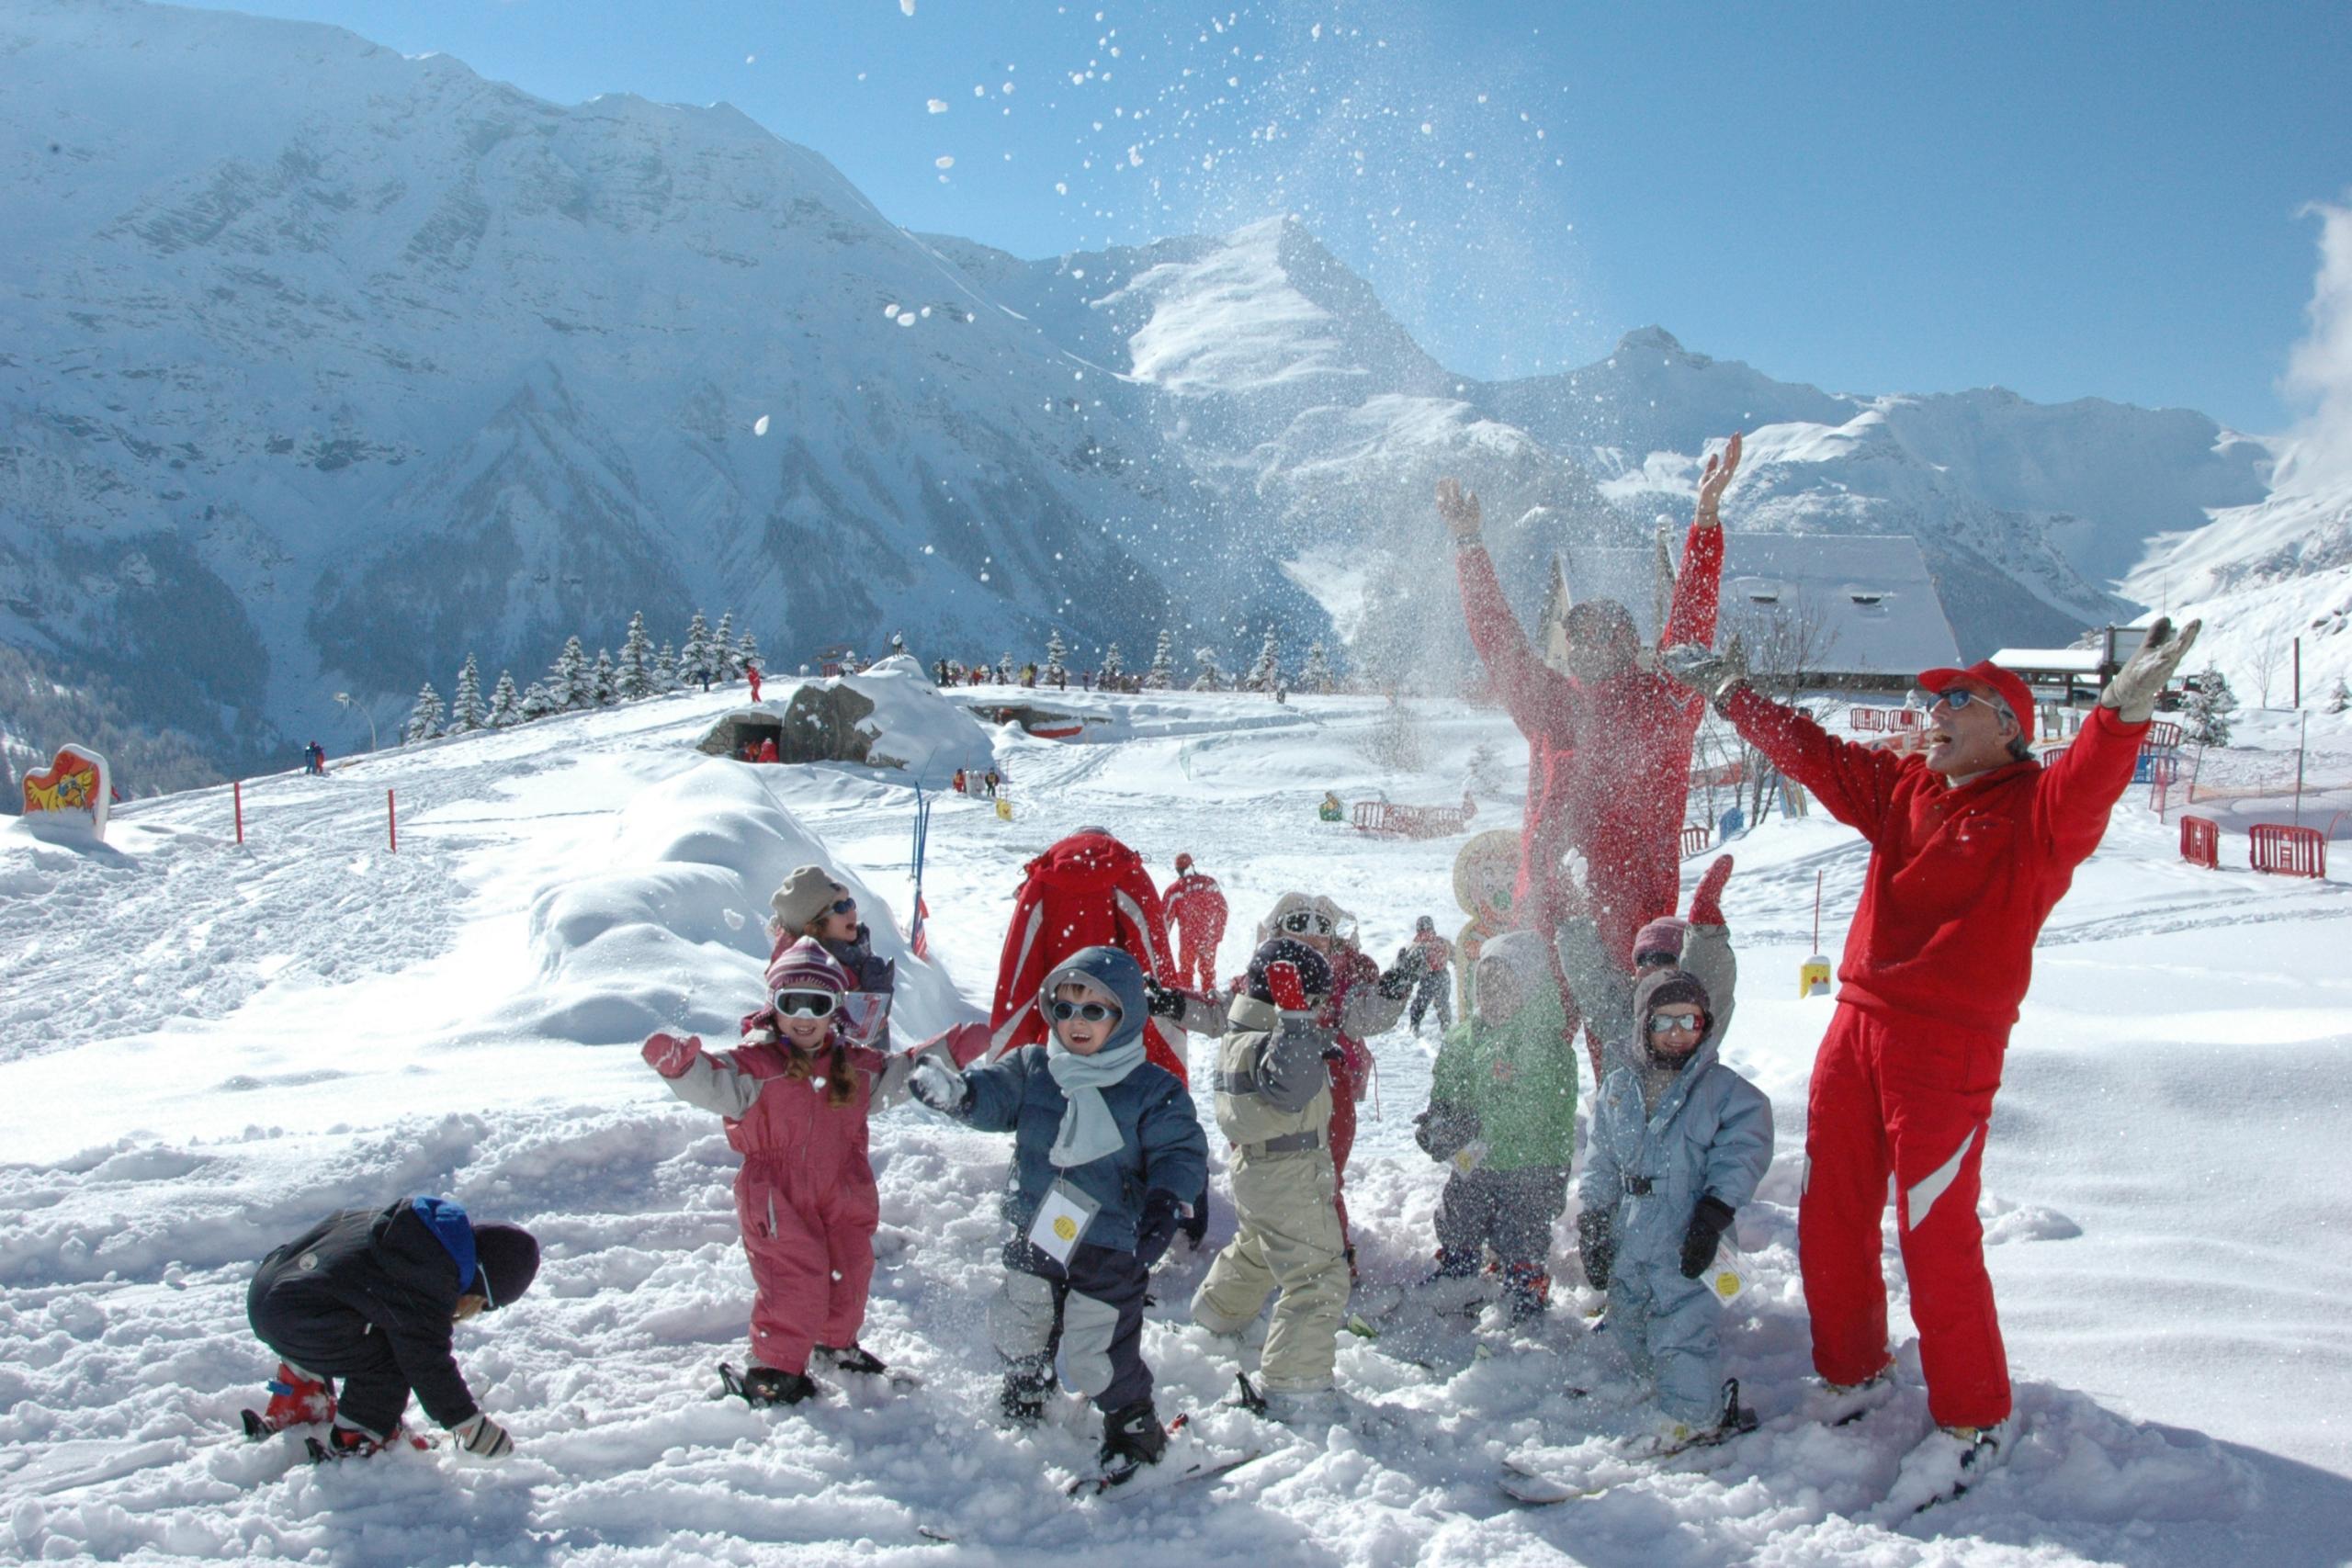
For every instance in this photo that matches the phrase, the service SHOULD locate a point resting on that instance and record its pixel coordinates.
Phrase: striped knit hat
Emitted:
(806, 966)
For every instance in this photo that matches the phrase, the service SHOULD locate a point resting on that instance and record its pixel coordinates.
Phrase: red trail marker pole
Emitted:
(392, 821)
(237, 798)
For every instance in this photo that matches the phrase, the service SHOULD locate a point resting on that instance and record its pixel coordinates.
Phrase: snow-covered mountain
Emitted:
(321, 366)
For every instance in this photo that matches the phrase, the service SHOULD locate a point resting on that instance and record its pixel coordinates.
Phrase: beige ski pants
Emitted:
(1289, 1242)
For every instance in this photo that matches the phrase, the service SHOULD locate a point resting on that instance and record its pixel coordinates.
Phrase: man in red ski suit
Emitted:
(1972, 844)
(1090, 890)
(1608, 742)
(1195, 908)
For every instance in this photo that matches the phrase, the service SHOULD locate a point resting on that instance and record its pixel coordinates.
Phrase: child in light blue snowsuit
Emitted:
(1679, 1143)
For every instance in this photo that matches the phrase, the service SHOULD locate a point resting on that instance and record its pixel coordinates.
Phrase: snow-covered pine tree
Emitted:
(1318, 677)
(538, 703)
(2205, 712)
(1004, 668)
(465, 714)
(725, 665)
(603, 690)
(634, 681)
(1486, 772)
(1162, 674)
(567, 686)
(506, 703)
(426, 719)
(2340, 699)
(1114, 666)
(694, 665)
(747, 651)
(1052, 671)
(1211, 678)
(1267, 673)
(665, 669)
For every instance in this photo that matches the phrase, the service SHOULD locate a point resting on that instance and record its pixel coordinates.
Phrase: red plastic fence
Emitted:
(1866, 717)
(1390, 820)
(2200, 842)
(2283, 851)
(2164, 735)
(1905, 718)
(1694, 838)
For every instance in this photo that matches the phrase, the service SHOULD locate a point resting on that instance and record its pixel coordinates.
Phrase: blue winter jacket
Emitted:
(1709, 1136)
(1163, 1147)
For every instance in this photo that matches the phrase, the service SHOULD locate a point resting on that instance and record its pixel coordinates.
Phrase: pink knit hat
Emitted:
(806, 966)
(1661, 935)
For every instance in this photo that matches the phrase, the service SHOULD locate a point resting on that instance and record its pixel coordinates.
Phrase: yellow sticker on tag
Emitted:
(1065, 1228)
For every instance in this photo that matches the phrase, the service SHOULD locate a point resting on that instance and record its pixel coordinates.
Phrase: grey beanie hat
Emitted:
(803, 898)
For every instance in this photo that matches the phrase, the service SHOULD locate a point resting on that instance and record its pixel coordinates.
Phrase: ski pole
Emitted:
(1817, 908)
(392, 821)
(237, 798)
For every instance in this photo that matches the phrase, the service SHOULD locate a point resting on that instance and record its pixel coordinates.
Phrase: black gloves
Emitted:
(1444, 1130)
(1161, 1215)
(1399, 979)
(1596, 1246)
(1163, 1001)
(1708, 1222)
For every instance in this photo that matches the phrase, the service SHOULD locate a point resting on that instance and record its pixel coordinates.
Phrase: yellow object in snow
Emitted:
(1812, 980)
(1004, 810)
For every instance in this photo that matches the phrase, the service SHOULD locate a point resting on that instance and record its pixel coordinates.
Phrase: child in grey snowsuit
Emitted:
(1107, 1149)
(1679, 1143)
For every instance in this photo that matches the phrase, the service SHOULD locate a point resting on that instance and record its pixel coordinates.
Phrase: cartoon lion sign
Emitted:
(73, 794)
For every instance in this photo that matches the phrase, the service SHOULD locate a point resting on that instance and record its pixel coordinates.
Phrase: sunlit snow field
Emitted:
(204, 1047)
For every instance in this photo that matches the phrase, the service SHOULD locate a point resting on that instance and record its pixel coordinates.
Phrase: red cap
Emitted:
(1184, 862)
(1986, 672)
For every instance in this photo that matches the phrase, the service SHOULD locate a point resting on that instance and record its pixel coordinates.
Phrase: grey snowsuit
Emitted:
(1273, 1100)
(1094, 1305)
(1709, 1135)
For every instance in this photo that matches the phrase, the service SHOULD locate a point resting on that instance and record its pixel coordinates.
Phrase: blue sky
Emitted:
(2067, 199)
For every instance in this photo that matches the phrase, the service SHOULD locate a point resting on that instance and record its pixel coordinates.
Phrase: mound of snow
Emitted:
(913, 727)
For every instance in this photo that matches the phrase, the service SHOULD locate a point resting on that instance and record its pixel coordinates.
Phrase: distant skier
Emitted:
(1679, 1143)
(1973, 842)
(1430, 956)
(1196, 913)
(371, 1297)
(1608, 742)
(767, 751)
(751, 673)
(1107, 1150)
(796, 1094)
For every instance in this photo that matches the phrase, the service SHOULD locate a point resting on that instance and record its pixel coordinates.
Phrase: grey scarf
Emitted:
(1088, 1130)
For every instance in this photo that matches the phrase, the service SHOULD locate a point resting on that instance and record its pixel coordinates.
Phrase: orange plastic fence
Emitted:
(2284, 851)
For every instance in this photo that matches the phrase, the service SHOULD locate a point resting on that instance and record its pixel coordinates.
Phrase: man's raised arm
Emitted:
(1698, 582)
(1531, 689)
(1854, 783)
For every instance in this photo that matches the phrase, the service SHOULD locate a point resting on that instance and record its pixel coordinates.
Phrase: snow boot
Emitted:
(297, 1399)
(1846, 1403)
(765, 1385)
(1132, 1438)
(1527, 1290)
(1452, 1265)
(1672, 1436)
(1946, 1463)
(1310, 1409)
(854, 1358)
(346, 1441)
(1023, 1398)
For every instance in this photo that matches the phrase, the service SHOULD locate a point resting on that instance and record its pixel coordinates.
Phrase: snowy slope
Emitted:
(248, 1037)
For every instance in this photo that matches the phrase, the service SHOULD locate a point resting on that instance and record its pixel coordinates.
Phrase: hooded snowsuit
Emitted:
(1090, 890)
(365, 1295)
(1196, 911)
(1938, 957)
(1708, 1135)
(1609, 765)
(1092, 1303)
(1274, 1103)
(1503, 1114)
(805, 1195)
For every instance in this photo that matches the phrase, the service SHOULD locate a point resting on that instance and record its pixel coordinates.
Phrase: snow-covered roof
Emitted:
(1871, 593)
(2070, 660)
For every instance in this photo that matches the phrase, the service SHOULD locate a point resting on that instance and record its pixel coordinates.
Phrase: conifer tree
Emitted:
(603, 689)
(2205, 712)
(538, 703)
(1004, 668)
(1162, 674)
(1113, 665)
(1317, 675)
(747, 652)
(1053, 670)
(568, 686)
(2339, 699)
(465, 714)
(426, 719)
(694, 664)
(665, 669)
(1266, 674)
(1211, 678)
(724, 664)
(505, 705)
(634, 680)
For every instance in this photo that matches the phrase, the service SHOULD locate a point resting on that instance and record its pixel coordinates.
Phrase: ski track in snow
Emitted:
(206, 1048)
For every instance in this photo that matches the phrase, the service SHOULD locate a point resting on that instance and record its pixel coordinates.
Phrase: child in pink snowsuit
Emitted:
(796, 1094)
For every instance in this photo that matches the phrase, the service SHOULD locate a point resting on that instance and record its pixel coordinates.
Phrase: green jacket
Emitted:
(1520, 1078)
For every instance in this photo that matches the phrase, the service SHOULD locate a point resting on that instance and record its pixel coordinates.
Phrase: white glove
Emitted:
(481, 1437)
(2133, 693)
(1706, 672)
(938, 1087)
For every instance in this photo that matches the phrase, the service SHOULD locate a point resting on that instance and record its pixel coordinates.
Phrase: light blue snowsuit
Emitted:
(1709, 1136)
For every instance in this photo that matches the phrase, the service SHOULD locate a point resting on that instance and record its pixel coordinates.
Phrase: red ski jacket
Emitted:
(1960, 880)
(1609, 766)
(1090, 890)
(1193, 895)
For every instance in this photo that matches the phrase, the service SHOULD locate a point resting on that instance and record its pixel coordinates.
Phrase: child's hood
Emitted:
(1112, 971)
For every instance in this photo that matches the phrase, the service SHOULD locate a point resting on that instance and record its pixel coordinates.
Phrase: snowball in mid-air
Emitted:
(891, 310)
(760, 425)
(936, 105)
(905, 318)
(943, 161)
(906, 8)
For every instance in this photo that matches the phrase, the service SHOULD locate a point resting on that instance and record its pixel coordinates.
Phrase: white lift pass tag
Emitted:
(1061, 1220)
(1471, 1155)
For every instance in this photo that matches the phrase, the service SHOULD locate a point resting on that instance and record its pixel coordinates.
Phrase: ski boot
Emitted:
(296, 1399)
(1672, 1436)
(853, 1358)
(346, 1441)
(1132, 1438)
(1527, 1290)
(763, 1386)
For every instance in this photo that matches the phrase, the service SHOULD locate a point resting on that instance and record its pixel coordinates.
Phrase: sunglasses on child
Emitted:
(843, 907)
(804, 1004)
(1301, 922)
(1674, 1022)
(1092, 1013)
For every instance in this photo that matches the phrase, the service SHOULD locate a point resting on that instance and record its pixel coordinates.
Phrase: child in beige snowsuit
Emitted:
(1274, 1103)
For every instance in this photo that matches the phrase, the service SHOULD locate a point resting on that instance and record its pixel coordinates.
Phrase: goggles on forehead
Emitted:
(1092, 1013)
(797, 1003)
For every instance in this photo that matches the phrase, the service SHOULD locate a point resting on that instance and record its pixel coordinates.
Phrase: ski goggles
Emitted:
(1307, 922)
(1676, 1024)
(1092, 1013)
(804, 1004)
(1656, 958)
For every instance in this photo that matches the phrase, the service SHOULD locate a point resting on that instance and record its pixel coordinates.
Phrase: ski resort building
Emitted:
(1838, 612)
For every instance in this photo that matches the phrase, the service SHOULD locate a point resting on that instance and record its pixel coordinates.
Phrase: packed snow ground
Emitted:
(203, 1047)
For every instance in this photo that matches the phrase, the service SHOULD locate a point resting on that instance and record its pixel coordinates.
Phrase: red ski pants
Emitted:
(1197, 936)
(1343, 1137)
(812, 1263)
(1913, 1097)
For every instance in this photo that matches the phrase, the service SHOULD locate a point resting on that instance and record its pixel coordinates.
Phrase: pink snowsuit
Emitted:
(805, 1195)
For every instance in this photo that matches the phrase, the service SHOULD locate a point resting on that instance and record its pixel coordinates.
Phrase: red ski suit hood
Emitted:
(1090, 890)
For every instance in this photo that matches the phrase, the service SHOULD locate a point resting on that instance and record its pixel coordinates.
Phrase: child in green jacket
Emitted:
(1503, 1115)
